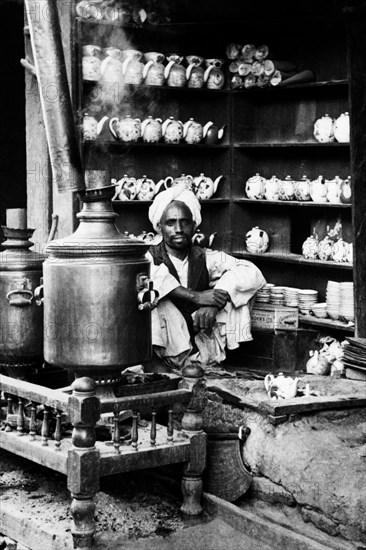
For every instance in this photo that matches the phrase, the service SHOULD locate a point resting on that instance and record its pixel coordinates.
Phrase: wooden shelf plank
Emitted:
(273, 144)
(310, 204)
(137, 202)
(291, 258)
(341, 83)
(128, 146)
(325, 323)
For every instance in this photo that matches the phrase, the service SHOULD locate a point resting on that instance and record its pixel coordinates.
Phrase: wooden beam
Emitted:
(357, 101)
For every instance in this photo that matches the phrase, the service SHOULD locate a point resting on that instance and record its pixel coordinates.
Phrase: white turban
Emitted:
(177, 192)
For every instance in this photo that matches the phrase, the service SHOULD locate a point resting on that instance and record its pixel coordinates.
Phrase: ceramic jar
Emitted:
(342, 128)
(310, 247)
(302, 189)
(172, 130)
(91, 63)
(318, 190)
(126, 129)
(255, 187)
(151, 130)
(256, 241)
(325, 249)
(213, 76)
(145, 189)
(192, 132)
(323, 129)
(334, 190)
(153, 71)
(340, 251)
(271, 189)
(286, 189)
(175, 73)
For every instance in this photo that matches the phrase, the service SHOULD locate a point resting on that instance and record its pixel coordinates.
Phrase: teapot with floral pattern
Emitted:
(271, 188)
(302, 189)
(145, 189)
(192, 131)
(324, 130)
(205, 187)
(255, 187)
(126, 188)
(281, 387)
(151, 130)
(172, 130)
(310, 247)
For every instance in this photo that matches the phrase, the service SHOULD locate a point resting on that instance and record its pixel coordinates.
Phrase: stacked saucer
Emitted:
(333, 299)
(263, 295)
(277, 295)
(346, 309)
(291, 296)
(307, 298)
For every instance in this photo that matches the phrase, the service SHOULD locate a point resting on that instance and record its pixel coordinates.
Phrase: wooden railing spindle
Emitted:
(20, 417)
(9, 411)
(170, 429)
(116, 431)
(33, 421)
(45, 427)
(135, 434)
(153, 427)
(57, 434)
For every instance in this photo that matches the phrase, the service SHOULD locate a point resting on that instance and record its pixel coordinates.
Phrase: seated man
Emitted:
(204, 295)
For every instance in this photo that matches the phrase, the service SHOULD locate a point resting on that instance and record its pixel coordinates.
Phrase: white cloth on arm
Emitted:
(177, 192)
(240, 278)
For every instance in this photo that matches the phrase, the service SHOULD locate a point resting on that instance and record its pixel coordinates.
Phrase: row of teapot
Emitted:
(320, 190)
(327, 129)
(152, 130)
(129, 188)
(135, 67)
(327, 249)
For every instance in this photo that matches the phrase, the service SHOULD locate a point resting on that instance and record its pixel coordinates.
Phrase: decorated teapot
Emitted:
(111, 79)
(195, 73)
(317, 364)
(213, 75)
(212, 134)
(345, 195)
(126, 129)
(174, 72)
(192, 131)
(172, 130)
(126, 188)
(286, 189)
(310, 247)
(324, 130)
(340, 251)
(256, 241)
(132, 68)
(271, 188)
(255, 187)
(92, 129)
(153, 71)
(169, 181)
(325, 248)
(281, 386)
(145, 189)
(201, 240)
(302, 189)
(147, 236)
(151, 130)
(205, 187)
(342, 128)
(318, 190)
(334, 190)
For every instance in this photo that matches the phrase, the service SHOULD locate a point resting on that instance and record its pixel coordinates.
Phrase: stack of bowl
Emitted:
(307, 298)
(263, 295)
(277, 295)
(346, 309)
(320, 310)
(333, 298)
(291, 296)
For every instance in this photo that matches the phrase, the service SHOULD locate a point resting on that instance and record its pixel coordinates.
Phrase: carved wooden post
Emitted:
(83, 460)
(192, 423)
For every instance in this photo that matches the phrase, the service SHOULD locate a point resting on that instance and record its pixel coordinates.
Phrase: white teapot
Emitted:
(302, 189)
(256, 241)
(325, 249)
(205, 187)
(319, 190)
(286, 189)
(341, 128)
(126, 188)
(145, 189)
(324, 129)
(334, 190)
(255, 187)
(346, 191)
(340, 251)
(272, 189)
(310, 247)
(281, 386)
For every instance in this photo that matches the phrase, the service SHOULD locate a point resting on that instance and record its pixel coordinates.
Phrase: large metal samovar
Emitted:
(21, 328)
(96, 294)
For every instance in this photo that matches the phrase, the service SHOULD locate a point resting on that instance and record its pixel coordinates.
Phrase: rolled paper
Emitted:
(16, 218)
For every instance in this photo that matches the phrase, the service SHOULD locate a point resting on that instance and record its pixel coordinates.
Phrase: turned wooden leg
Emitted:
(192, 425)
(83, 461)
